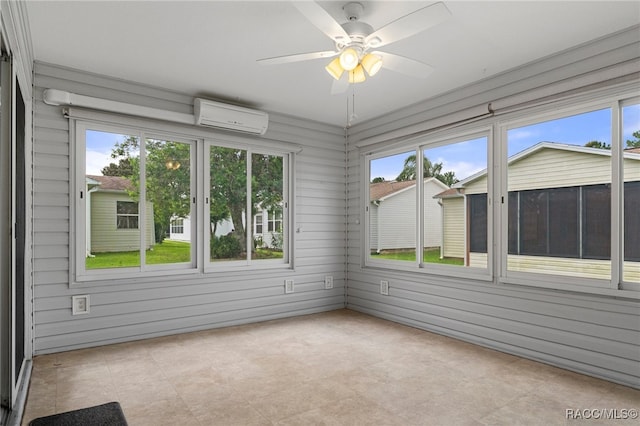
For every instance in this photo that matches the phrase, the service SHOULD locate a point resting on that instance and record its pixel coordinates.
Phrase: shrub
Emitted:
(225, 247)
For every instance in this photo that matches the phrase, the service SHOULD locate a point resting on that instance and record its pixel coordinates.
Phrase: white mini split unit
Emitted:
(230, 117)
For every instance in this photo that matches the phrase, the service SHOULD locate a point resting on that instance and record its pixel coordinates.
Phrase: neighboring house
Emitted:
(392, 215)
(266, 227)
(558, 212)
(112, 219)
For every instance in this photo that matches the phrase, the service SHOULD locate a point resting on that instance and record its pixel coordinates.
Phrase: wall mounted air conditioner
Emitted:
(230, 117)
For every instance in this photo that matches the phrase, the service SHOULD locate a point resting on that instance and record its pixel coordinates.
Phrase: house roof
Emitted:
(381, 190)
(628, 153)
(450, 193)
(111, 183)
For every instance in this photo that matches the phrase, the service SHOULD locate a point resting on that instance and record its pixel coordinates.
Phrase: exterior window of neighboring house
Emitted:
(439, 189)
(127, 215)
(177, 226)
(562, 214)
(257, 223)
(275, 222)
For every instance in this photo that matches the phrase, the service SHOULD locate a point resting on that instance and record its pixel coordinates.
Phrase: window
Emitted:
(139, 208)
(241, 181)
(126, 215)
(567, 214)
(447, 180)
(177, 226)
(118, 231)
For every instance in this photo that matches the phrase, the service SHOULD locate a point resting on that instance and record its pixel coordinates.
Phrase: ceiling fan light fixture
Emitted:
(371, 63)
(349, 58)
(357, 75)
(334, 69)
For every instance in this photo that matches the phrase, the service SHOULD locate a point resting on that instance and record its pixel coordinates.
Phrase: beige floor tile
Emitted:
(335, 368)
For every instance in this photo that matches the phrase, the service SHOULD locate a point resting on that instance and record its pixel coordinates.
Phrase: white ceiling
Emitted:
(209, 48)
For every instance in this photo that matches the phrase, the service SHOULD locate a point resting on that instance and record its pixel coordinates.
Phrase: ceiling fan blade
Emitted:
(340, 86)
(410, 24)
(403, 65)
(321, 19)
(297, 57)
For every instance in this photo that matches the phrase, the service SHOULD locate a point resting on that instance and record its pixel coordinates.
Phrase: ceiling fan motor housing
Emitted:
(358, 32)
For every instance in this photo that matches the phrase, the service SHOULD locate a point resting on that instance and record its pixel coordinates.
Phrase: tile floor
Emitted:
(335, 368)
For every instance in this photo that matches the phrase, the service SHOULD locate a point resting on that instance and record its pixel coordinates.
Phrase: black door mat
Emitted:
(109, 414)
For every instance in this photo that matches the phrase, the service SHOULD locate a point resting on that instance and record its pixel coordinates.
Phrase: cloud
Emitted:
(518, 134)
(462, 169)
(95, 161)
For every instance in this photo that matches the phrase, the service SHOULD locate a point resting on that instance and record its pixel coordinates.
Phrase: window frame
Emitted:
(419, 145)
(615, 98)
(570, 107)
(287, 211)
(81, 120)
(78, 221)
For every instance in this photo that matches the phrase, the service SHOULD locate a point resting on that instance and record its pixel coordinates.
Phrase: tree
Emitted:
(228, 182)
(634, 143)
(448, 178)
(167, 177)
(429, 170)
(377, 180)
(123, 168)
(597, 144)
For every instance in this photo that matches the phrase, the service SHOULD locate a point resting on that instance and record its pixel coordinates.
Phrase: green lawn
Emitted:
(430, 256)
(165, 252)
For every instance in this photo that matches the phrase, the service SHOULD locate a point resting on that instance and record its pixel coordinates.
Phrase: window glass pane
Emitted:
(267, 182)
(455, 204)
(559, 211)
(392, 207)
(631, 175)
(168, 197)
(112, 236)
(228, 203)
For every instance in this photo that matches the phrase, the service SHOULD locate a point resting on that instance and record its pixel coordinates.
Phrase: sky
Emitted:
(464, 158)
(98, 151)
(469, 157)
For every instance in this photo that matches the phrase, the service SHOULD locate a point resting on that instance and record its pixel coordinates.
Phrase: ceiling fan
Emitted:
(356, 41)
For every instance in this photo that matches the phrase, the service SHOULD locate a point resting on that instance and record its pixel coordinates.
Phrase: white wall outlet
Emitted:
(384, 287)
(288, 286)
(328, 282)
(80, 304)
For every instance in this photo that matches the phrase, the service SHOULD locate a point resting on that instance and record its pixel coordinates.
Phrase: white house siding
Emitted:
(105, 237)
(597, 335)
(453, 228)
(396, 221)
(373, 227)
(130, 309)
(392, 223)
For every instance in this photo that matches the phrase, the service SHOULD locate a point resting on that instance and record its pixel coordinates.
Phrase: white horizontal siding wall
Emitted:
(128, 309)
(596, 335)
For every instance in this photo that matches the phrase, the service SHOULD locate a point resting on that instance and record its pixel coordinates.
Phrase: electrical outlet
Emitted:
(328, 282)
(384, 287)
(288, 286)
(80, 304)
